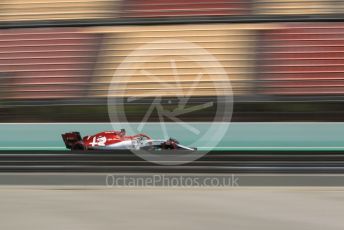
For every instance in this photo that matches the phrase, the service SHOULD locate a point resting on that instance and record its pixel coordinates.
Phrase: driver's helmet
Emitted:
(122, 133)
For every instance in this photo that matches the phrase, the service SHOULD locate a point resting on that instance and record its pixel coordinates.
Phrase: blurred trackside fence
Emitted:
(284, 57)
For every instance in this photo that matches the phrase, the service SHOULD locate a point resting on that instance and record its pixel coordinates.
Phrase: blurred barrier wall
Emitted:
(46, 63)
(35, 10)
(161, 55)
(294, 7)
(302, 59)
(288, 59)
(267, 60)
(25, 10)
(172, 8)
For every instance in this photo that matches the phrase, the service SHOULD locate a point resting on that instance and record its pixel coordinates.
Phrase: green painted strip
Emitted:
(239, 136)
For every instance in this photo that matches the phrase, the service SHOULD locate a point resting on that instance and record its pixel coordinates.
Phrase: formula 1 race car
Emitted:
(112, 140)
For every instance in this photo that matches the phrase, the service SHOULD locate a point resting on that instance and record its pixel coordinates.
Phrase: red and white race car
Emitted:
(112, 140)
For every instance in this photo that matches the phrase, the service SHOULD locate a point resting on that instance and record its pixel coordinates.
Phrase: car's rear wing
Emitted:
(71, 138)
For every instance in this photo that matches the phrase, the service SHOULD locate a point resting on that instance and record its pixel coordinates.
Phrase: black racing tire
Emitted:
(78, 147)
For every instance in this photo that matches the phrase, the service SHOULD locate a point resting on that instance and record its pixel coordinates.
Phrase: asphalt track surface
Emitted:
(164, 207)
(213, 162)
(172, 208)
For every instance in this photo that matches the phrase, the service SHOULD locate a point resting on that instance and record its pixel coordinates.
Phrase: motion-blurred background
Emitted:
(285, 58)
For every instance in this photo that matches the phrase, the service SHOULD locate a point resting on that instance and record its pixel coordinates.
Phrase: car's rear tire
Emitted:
(78, 146)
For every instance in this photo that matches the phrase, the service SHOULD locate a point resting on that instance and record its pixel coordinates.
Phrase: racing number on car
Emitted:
(98, 141)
